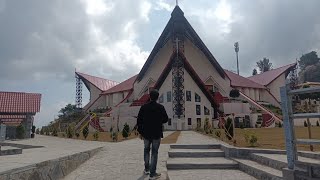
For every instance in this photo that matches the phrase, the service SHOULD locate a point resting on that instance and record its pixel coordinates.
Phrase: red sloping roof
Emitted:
(123, 86)
(19, 102)
(2, 117)
(100, 83)
(268, 76)
(239, 81)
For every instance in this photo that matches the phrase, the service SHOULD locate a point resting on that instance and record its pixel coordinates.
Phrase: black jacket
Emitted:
(150, 119)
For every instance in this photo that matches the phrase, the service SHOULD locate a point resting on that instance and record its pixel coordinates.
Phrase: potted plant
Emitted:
(33, 130)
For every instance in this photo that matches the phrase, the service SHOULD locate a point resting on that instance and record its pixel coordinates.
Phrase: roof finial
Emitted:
(177, 3)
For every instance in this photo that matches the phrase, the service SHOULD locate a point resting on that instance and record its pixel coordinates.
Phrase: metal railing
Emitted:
(288, 122)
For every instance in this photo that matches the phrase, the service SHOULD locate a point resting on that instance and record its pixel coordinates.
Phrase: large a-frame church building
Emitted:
(192, 86)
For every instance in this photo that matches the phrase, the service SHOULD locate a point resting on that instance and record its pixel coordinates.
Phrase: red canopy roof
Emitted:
(124, 86)
(267, 77)
(239, 81)
(19, 102)
(100, 83)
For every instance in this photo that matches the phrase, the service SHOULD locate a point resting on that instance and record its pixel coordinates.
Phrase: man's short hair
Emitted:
(154, 94)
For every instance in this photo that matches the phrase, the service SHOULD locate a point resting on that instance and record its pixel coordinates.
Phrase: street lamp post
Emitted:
(236, 48)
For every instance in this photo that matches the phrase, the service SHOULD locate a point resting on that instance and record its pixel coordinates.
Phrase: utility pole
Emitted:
(236, 48)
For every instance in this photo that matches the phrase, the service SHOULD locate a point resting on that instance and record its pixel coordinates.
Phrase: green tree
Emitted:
(68, 110)
(20, 132)
(264, 65)
(254, 72)
(42, 131)
(310, 73)
(37, 131)
(308, 59)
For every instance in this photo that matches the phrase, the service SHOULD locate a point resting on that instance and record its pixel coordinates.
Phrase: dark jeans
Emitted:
(154, 156)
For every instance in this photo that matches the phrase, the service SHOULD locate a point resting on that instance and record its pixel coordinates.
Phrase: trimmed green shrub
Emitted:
(54, 132)
(218, 133)
(20, 131)
(114, 136)
(250, 138)
(318, 123)
(42, 131)
(33, 129)
(206, 126)
(305, 124)
(96, 135)
(47, 131)
(125, 131)
(229, 128)
(85, 132)
(77, 134)
(70, 131)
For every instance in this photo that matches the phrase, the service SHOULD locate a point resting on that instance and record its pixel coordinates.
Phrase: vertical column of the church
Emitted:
(178, 84)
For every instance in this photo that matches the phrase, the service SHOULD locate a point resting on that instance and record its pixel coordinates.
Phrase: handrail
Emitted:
(260, 106)
(82, 120)
(306, 115)
(304, 91)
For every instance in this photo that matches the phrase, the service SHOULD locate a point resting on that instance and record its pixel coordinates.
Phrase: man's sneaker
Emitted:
(146, 172)
(154, 176)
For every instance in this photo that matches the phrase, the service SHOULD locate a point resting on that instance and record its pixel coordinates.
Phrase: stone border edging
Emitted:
(50, 169)
(21, 146)
(12, 151)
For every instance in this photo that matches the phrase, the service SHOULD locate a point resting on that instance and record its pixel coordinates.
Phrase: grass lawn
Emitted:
(103, 136)
(171, 139)
(273, 138)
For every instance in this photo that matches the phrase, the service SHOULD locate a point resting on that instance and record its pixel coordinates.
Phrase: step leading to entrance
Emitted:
(195, 146)
(196, 153)
(201, 163)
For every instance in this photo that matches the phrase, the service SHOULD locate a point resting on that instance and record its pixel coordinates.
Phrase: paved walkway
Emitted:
(53, 148)
(191, 137)
(121, 161)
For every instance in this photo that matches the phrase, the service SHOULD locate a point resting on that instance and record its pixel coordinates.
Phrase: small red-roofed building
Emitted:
(18, 108)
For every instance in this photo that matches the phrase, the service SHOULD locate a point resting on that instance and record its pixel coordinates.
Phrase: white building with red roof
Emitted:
(192, 86)
(19, 108)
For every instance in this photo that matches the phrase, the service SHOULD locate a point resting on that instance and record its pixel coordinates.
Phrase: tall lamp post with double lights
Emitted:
(236, 48)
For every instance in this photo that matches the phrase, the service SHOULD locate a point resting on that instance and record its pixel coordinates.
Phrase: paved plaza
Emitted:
(53, 148)
(124, 161)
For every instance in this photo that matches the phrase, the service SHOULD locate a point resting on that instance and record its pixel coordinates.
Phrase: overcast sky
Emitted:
(42, 42)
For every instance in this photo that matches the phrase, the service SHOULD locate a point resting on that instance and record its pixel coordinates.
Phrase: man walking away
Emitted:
(151, 117)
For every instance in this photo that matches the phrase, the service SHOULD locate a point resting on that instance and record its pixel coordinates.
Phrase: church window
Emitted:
(169, 121)
(206, 111)
(189, 121)
(188, 95)
(198, 110)
(197, 98)
(161, 98)
(169, 96)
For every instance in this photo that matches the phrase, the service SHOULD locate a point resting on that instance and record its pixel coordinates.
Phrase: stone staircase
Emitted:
(187, 160)
(196, 158)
